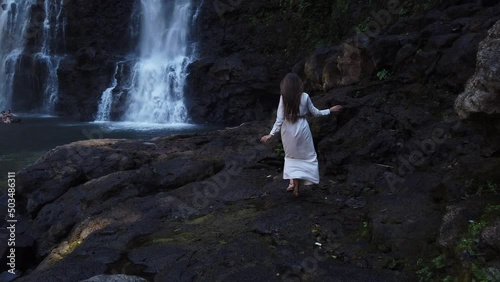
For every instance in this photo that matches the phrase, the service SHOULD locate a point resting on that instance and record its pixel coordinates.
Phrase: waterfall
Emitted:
(53, 33)
(14, 32)
(13, 21)
(106, 102)
(158, 76)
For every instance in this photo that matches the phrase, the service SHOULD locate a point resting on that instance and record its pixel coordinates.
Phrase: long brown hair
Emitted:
(291, 89)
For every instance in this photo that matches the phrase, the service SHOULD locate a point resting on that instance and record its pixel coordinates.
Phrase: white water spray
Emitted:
(53, 32)
(13, 23)
(158, 77)
(106, 102)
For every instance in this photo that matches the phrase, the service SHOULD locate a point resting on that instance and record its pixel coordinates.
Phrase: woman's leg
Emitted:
(290, 186)
(296, 183)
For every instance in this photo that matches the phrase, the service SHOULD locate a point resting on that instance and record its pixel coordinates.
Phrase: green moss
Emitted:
(161, 241)
(200, 220)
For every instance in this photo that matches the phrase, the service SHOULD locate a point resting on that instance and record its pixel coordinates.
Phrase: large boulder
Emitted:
(315, 64)
(354, 64)
(482, 91)
(346, 64)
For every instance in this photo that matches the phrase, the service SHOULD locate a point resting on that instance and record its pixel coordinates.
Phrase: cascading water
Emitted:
(106, 102)
(53, 33)
(13, 21)
(157, 79)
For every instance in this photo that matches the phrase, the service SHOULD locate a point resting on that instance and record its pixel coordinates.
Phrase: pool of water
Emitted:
(23, 143)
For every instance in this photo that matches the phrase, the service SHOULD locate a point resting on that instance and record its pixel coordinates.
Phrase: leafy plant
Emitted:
(362, 26)
(280, 151)
(383, 74)
(469, 241)
(479, 274)
(438, 262)
(492, 187)
(479, 190)
(448, 278)
(491, 209)
(425, 274)
(433, 271)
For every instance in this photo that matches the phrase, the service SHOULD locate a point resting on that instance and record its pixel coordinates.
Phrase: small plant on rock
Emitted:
(280, 151)
(383, 74)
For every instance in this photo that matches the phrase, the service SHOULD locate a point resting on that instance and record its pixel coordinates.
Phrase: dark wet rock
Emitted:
(331, 74)
(455, 223)
(461, 11)
(157, 257)
(482, 93)
(115, 278)
(96, 37)
(67, 270)
(440, 41)
(384, 48)
(491, 235)
(404, 24)
(404, 53)
(458, 61)
(356, 203)
(354, 64)
(315, 64)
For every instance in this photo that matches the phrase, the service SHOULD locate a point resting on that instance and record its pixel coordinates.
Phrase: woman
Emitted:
(301, 162)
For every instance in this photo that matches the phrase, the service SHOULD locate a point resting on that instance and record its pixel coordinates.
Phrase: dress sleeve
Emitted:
(280, 117)
(313, 110)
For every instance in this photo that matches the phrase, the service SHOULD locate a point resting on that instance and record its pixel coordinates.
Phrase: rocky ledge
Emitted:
(401, 180)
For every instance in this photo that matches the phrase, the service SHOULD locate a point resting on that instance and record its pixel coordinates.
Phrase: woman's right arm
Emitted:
(280, 118)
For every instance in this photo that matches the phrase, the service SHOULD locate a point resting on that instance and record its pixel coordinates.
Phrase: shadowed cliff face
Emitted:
(245, 47)
(76, 56)
(98, 36)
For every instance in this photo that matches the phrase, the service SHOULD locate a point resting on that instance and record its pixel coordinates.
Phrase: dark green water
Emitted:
(22, 144)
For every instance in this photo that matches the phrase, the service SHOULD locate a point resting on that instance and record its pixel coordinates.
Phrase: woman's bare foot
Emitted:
(296, 185)
(291, 187)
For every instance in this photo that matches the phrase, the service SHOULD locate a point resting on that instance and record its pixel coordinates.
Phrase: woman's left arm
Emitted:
(314, 111)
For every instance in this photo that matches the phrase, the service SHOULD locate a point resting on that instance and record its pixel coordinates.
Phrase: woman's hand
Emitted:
(336, 109)
(265, 138)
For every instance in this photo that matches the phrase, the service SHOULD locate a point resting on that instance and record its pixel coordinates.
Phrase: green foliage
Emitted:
(319, 23)
(448, 278)
(279, 151)
(475, 228)
(315, 23)
(492, 187)
(362, 26)
(473, 189)
(479, 274)
(469, 243)
(433, 271)
(438, 262)
(425, 274)
(490, 209)
(383, 74)
(471, 239)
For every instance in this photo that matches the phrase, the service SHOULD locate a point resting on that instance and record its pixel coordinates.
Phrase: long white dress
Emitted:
(301, 161)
